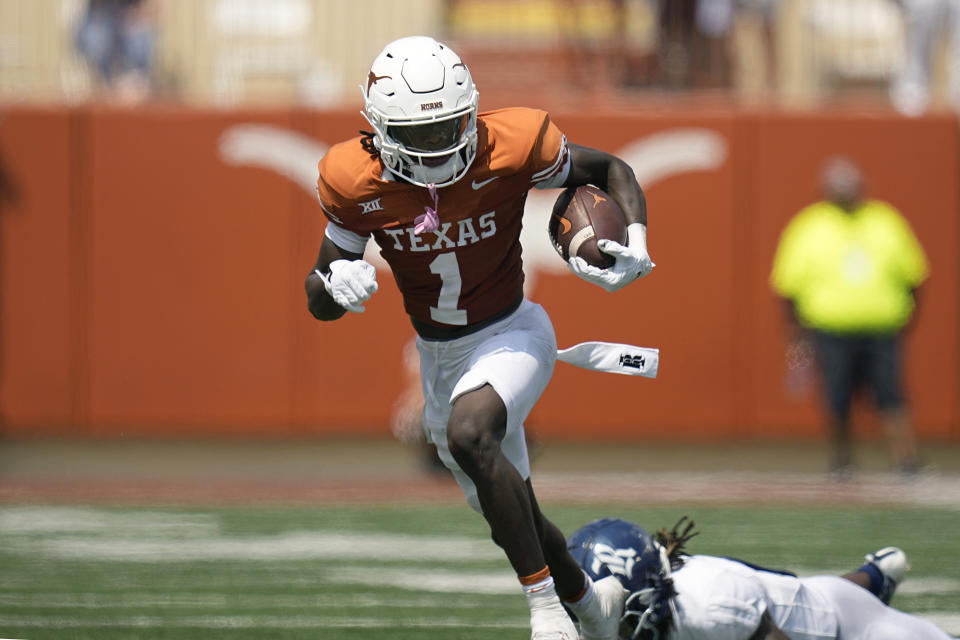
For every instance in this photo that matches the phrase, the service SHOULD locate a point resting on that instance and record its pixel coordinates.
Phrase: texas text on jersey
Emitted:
(469, 269)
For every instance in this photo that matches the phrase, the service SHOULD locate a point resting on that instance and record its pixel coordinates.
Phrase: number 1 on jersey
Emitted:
(445, 265)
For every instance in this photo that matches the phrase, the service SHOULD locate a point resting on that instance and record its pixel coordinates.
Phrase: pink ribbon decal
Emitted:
(430, 219)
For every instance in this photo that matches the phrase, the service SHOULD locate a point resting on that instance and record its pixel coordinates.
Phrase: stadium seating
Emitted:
(314, 51)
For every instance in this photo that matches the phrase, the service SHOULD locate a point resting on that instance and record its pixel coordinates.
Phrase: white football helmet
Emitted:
(422, 105)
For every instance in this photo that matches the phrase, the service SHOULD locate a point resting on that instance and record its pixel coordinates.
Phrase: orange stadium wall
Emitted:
(152, 263)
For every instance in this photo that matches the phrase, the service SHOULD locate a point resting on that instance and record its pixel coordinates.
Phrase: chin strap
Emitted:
(429, 220)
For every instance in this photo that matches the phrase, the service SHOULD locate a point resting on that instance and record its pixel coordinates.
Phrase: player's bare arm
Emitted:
(615, 177)
(320, 302)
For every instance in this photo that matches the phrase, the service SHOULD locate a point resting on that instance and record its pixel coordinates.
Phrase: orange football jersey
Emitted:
(470, 268)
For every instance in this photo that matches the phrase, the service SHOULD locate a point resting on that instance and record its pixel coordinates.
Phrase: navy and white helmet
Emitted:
(611, 546)
(420, 100)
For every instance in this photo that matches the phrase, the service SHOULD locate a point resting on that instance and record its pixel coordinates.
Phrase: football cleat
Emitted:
(892, 564)
(552, 623)
(554, 635)
(600, 617)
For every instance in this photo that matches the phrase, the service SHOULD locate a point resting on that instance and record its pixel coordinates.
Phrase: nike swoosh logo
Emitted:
(477, 185)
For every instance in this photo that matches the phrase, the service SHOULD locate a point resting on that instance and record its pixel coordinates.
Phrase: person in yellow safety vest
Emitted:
(848, 269)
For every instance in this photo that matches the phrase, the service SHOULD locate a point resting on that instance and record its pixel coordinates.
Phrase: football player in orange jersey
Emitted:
(441, 189)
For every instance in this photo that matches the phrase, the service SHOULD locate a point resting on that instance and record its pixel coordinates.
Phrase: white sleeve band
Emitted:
(555, 176)
(346, 240)
(637, 235)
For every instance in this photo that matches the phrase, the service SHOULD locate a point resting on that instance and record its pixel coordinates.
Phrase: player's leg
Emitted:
(597, 605)
(477, 426)
(507, 367)
(475, 430)
(884, 374)
(882, 572)
(836, 361)
(566, 572)
(861, 616)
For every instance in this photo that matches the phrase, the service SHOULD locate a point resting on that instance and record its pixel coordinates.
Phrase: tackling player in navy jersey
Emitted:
(672, 595)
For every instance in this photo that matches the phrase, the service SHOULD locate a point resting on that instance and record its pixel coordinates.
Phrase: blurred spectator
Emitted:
(694, 42)
(117, 38)
(847, 269)
(766, 13)
(714, 21)
(9, 196)
(594, 62)
(676, 19)
(925, 22)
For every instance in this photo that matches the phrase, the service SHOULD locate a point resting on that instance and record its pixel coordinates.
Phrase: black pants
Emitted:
(848, 362)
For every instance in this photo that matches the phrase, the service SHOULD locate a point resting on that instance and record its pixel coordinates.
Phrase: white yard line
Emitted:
(305, 545)
(500, 582)
(949, 622)
(931, 490)
(257, 622)
(32, 519)
(114, 600)
(138, 538)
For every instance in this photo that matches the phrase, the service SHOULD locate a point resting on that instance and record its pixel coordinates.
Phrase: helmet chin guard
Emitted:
(422, 104)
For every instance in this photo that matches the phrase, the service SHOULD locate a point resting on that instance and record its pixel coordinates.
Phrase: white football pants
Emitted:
(862, 616)
(515, 356)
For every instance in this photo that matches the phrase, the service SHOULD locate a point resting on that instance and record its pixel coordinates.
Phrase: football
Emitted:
(581, 216)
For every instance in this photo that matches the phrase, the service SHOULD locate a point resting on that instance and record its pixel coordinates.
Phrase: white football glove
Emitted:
(350, 283)
(632, 261)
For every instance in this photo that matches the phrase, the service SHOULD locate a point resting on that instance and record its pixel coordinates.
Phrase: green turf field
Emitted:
(408, 571)
(112, 539)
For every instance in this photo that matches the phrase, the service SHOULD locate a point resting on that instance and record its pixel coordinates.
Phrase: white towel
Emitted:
(625, 359)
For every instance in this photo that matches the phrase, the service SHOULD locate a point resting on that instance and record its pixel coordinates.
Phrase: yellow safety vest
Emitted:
(849, 272)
